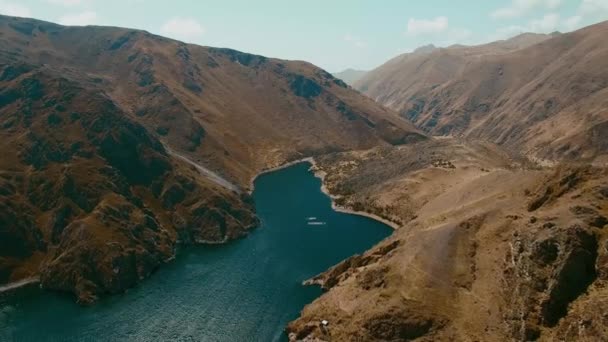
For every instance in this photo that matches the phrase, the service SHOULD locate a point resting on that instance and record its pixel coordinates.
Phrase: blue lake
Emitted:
(247, 290)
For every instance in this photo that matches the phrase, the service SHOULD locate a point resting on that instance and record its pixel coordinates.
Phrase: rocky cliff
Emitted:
(88, 197)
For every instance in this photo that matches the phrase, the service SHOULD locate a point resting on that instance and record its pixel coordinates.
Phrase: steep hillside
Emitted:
(488, 249)
(118, 145)
(89, 199)
(350, 76)
(489, 245)
(543, 97)
(405, 75)
(231, 111)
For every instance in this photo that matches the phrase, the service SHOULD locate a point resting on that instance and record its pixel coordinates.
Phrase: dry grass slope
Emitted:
(543, 96)
(490, 247)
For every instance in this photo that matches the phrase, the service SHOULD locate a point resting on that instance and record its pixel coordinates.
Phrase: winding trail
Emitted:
(18, 284)
(212, 176)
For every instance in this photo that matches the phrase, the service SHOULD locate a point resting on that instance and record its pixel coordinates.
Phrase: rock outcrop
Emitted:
(90, 200)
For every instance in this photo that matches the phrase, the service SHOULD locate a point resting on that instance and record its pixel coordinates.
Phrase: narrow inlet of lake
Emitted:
(247, 290)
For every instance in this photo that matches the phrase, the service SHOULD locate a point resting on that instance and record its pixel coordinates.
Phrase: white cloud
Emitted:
(65, 3)
(588, 11)
(553, 4)
(182, 28)
(404, 50)
(356, 41)
(417, 27)
(548, 23)
(508, 32)
(518, 8)
(573, 23)
(79, 19)
(593, 6)
(459, 35)
(438, 31)
(14, 10)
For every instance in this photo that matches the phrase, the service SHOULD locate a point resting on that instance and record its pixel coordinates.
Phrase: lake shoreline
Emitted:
(256, 300)
(321, 175)
(318, 173)
(277, 168)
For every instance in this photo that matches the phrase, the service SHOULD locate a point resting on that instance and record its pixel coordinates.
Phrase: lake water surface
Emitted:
(247, 290)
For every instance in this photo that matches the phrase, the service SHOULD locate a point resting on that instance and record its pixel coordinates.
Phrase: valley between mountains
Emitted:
(489, 161)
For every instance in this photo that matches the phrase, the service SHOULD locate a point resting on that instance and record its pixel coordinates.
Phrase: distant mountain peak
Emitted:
(425, 49)
(350, 70)
(189, 123)
(350, 75)
(502, 86)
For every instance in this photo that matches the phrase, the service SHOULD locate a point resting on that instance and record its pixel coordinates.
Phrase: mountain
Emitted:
(90, 200)
(217, 105)
(118, 145)
(425, 49)
(350, 76)
(542, 95)
(487, 247)
(518, 42)
(491, 242)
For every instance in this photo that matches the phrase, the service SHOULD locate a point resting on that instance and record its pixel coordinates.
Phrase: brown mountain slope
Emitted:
(233, 111)
(350, 76)
(488, 249)
(118, 145)
(89, 199)
(489, 246)
(545, 100)
(401, 77)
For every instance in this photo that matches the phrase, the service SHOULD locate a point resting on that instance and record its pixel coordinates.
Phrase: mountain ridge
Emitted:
(501, 216)
(512, 94)
(350, 75)
(120, 145)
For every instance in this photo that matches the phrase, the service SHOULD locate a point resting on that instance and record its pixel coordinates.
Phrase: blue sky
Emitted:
(334, 34)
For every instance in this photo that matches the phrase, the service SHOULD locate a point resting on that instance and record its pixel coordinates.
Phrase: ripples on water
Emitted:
(247, 290)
